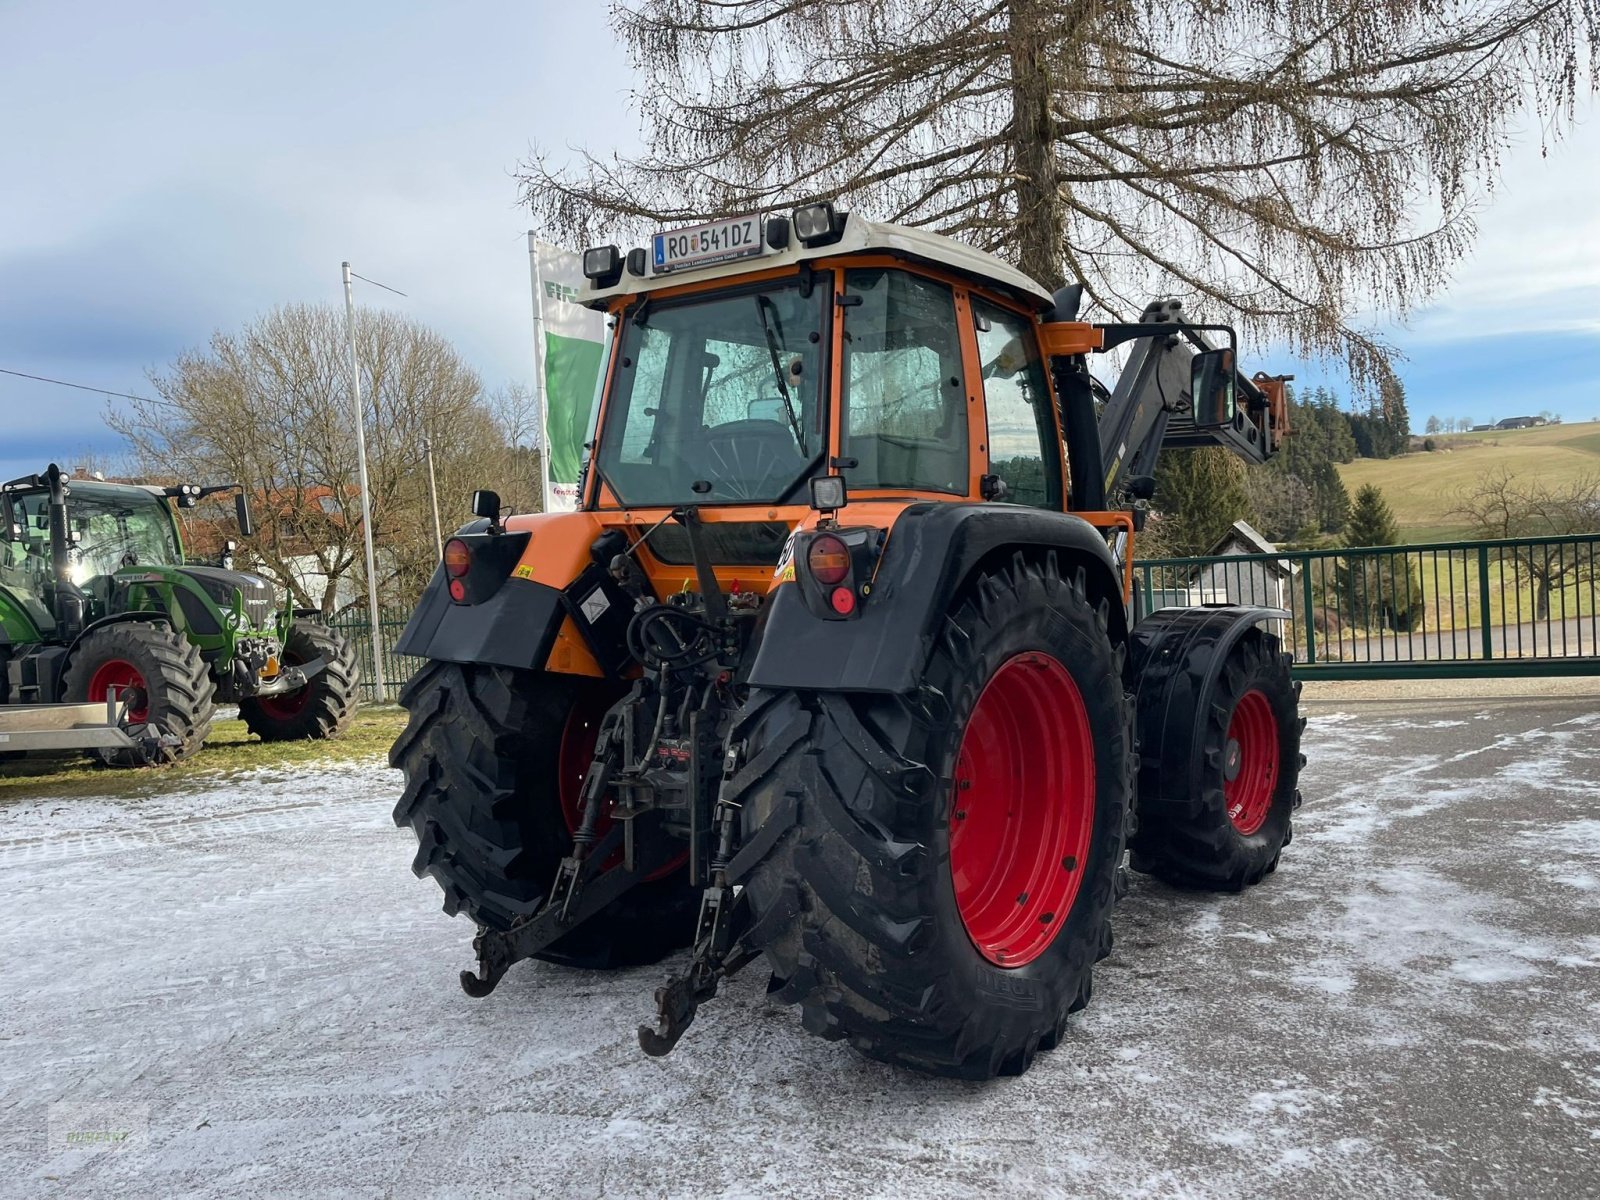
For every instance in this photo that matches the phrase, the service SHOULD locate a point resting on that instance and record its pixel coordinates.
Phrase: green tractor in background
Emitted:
(97, 600)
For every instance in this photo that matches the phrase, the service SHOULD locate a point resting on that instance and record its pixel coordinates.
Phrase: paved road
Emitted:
(250, 980)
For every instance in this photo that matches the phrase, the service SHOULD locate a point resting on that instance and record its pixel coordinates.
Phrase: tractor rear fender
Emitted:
(933, 552)
(506, 621)
(1177, 655)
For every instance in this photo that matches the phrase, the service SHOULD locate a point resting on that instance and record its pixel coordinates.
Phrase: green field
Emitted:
(1422, 488)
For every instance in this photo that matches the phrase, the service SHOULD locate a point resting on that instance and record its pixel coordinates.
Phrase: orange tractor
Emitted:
(841, 664)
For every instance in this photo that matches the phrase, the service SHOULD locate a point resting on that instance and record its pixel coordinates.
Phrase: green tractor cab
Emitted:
(98, 601)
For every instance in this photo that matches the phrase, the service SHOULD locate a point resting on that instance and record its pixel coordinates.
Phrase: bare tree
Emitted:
(1282, 165)
(515, 408)
(269, 407)
(1502, 506)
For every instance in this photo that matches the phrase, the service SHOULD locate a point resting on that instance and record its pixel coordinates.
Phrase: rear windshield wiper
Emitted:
(763, 303)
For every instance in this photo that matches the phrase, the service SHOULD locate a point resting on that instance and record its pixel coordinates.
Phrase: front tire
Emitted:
(1219, 787)
(493, 759)
(163, 676)
(324, 707)
(947, 928)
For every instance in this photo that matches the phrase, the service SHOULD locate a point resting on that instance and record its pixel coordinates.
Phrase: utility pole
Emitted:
(433, 496)
(366, 499)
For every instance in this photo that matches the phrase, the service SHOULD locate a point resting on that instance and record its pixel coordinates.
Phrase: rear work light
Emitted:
(818, 224)
(602, 265)
(457, 558)
(828, 560)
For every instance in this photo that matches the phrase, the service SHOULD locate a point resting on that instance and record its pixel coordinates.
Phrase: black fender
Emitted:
(932, 551)
(514, 627)
(1176, 657)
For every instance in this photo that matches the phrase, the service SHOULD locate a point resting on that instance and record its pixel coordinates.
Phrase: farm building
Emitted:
(1259, 582)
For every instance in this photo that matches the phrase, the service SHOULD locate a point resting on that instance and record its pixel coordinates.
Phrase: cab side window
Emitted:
(904, 409)
(1022, 446)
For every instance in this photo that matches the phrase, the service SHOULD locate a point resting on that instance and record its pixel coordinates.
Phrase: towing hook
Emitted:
(675, 1008)
(477, 987)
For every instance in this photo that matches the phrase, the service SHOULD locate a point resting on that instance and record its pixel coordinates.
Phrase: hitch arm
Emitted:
(498, 950)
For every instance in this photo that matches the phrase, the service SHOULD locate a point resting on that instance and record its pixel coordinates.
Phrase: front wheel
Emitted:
(944, 866)
(324, 707)
(163, 681)
(1218, 791)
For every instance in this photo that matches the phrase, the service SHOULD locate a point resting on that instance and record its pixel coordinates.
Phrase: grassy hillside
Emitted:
(1422, 488)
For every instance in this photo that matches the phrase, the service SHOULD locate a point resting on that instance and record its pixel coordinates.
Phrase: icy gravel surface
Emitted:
(249, 982)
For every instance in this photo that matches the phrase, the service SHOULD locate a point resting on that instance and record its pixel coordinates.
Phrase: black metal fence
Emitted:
(397, 668)
(1526, 606)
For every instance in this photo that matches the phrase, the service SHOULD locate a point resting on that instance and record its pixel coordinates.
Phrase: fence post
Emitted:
(1310, 621)
(1483, 600)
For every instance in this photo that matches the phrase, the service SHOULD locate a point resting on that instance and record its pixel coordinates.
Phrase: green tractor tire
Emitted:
(321, 709)
(163, 678)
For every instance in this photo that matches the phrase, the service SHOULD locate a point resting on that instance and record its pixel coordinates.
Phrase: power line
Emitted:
(83, 387)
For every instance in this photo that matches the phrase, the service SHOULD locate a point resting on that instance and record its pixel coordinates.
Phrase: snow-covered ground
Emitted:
(252, 985)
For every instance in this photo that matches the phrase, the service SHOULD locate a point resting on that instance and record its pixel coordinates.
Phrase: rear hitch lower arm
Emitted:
(718, 950)
(498, 950)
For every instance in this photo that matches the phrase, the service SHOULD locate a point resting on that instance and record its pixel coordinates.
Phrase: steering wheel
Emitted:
(748, 460)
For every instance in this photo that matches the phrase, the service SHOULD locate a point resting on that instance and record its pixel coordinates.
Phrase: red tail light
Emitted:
(828, 560)
(457, 558)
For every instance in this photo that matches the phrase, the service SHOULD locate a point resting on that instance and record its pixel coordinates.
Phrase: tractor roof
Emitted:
(860, 236)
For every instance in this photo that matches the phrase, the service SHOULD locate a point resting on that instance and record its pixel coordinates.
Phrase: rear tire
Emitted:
(874, 917)
(1215, 803)
(482, 756)
(327, 703)
(169, 672)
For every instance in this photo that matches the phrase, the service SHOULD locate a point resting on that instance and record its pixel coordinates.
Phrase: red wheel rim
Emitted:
(1250, 762)
(121, 676)
(1023, 809)
(579, 738)
(285, 706)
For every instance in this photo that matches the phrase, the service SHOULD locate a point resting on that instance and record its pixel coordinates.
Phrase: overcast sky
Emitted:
(169, 171)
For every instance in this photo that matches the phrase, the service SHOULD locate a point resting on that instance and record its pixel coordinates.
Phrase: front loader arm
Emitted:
(1151, 407)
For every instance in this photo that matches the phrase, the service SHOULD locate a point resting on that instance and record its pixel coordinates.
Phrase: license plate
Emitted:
(701, 245)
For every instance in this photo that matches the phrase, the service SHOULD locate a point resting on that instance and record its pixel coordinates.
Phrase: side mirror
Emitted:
(486, 504)
(1211, 388)
(241, 510)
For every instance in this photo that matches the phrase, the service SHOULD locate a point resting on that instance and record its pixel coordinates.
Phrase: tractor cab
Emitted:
(109, 528)
(751, 355)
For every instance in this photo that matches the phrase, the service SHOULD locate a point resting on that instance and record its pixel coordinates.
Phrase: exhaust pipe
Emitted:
(68, 604)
